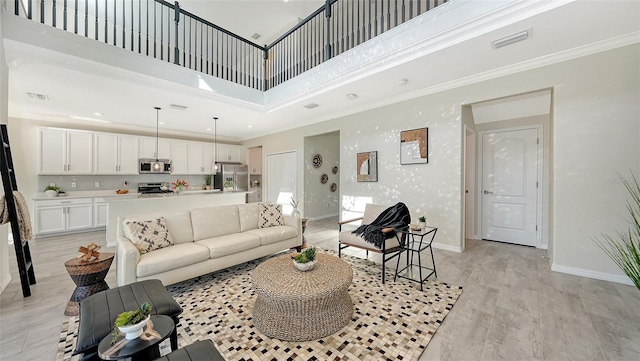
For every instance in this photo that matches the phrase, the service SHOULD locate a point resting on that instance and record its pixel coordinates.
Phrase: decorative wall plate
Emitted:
(334, 170)
(334, 187)
(324, 179)
(317, 161)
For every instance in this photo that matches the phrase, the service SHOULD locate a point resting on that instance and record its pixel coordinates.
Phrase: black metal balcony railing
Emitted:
(165, 31)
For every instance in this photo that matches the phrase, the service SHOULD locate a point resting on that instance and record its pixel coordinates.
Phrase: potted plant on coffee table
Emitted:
(131, 323)
(306, 260)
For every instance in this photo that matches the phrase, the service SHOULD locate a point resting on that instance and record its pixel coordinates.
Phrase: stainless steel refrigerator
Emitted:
(232, 174)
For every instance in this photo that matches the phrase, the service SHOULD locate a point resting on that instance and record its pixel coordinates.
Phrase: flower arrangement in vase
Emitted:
(295, 212)
(180, 185)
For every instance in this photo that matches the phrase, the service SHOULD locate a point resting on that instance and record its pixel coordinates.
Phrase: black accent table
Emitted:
(413, 246)
(139, 349)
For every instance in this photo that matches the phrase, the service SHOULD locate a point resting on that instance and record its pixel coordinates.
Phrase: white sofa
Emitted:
(205, 240)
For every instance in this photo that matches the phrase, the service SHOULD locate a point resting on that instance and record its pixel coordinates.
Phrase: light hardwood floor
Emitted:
(513, 306)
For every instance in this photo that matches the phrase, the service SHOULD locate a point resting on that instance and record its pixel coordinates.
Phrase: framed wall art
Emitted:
(367, 167)
(414, 146)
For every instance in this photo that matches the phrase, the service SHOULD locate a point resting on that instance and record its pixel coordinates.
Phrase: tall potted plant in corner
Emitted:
(624, 249)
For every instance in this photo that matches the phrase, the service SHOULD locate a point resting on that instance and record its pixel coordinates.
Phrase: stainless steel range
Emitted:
(158, 189)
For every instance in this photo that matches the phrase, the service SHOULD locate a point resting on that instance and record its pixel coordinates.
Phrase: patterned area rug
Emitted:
(394, 321)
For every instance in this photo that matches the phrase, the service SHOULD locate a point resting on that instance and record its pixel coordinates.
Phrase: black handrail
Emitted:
(203, 46)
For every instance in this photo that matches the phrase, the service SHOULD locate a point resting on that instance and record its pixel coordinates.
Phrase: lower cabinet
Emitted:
(59, 216)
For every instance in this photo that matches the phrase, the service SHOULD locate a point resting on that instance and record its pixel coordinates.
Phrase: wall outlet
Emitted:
(96, 184)
(52, 184)
(73, 184)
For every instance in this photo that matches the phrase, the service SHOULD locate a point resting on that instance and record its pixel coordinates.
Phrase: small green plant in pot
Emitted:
(130, 318)
(207, 181)
(422, 222)
(51, 191)
(306, 260)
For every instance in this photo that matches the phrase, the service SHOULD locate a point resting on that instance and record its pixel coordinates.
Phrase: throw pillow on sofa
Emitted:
(270, 215)
(149, 235)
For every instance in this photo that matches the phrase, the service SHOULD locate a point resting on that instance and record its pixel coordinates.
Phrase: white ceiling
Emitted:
(463, 55)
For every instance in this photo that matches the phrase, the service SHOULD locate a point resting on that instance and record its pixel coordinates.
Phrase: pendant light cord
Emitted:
(157, 136)
(215, 137)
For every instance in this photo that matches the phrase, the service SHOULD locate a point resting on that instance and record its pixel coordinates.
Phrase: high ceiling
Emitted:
(77, 88)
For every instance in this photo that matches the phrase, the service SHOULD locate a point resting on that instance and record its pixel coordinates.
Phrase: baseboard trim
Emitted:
(5, 283)
(592, 274)
(447, 247)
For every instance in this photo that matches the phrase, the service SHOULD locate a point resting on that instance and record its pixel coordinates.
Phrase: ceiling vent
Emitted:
(511, 39)
(38, 96)
(255, 36)
(177, 107)
(311, 105)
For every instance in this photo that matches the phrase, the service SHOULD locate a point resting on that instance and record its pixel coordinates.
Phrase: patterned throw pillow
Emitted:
(270, 215)
(150, 235)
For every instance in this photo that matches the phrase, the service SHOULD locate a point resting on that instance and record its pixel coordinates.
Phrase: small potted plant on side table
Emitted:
(306, 260)
(422, 222)
(131, 323)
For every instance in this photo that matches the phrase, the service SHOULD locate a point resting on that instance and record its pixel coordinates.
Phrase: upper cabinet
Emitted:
(230, 153)
(179, 157)
(148, 148)
(116, 154)
(65, 152)
(255, 160)
(201, 157)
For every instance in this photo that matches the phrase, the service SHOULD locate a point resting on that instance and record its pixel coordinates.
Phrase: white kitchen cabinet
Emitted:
(63, 215)
(148, 148)
(116, 154)
(201, 157)
(65, 152)
(179, 157)
(230, 153)
(99, 213)
(255, 160)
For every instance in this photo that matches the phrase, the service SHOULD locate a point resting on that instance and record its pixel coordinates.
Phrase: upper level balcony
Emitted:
(382, 50)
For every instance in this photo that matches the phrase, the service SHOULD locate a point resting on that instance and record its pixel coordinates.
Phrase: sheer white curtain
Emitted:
(280, 173)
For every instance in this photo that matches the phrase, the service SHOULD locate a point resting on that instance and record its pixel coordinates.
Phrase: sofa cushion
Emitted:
(230, 244)
(174, 257)
(270, 215)
(248, 216)
(178, 224)
(356, 240)
(212, 222)
(274, 234)
(149, 235)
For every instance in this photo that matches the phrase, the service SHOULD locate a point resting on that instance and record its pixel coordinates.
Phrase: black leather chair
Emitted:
(98, 312)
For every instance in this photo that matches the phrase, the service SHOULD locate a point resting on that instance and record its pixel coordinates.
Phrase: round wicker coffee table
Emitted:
(300, 306)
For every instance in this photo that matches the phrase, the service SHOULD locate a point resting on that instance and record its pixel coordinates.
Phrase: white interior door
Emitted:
(509, 186)
(280, 179)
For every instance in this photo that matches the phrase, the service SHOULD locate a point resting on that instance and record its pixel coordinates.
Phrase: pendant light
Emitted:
(216, 166)
(157, 165)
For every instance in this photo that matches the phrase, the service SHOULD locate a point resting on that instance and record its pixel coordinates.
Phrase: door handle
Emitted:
(487, 192)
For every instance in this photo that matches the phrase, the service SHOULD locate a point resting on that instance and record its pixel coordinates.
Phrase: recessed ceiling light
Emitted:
(97, 113)
(311, 105)
(209, 129)
(352, 96)
(403, 82)
(161, 122)
(249, 126)
(513, 38)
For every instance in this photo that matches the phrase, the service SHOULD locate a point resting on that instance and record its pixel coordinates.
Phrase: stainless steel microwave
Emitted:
(154, 166)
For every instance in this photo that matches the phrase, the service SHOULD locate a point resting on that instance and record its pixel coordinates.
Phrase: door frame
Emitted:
(469, 169)
(540, 177)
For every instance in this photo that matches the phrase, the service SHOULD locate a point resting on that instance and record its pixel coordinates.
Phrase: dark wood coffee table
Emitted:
(88, 277)
(139, 349)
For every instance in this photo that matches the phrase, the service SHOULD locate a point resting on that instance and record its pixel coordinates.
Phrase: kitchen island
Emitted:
(120, 206)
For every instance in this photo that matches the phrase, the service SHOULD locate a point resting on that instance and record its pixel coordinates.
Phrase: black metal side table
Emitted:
(139, 349)
(413, 246)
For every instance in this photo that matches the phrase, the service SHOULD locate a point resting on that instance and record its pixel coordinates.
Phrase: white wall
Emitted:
(319, 201)
(596, 127)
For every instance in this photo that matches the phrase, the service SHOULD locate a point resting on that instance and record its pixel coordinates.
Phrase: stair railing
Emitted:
(166, 32)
